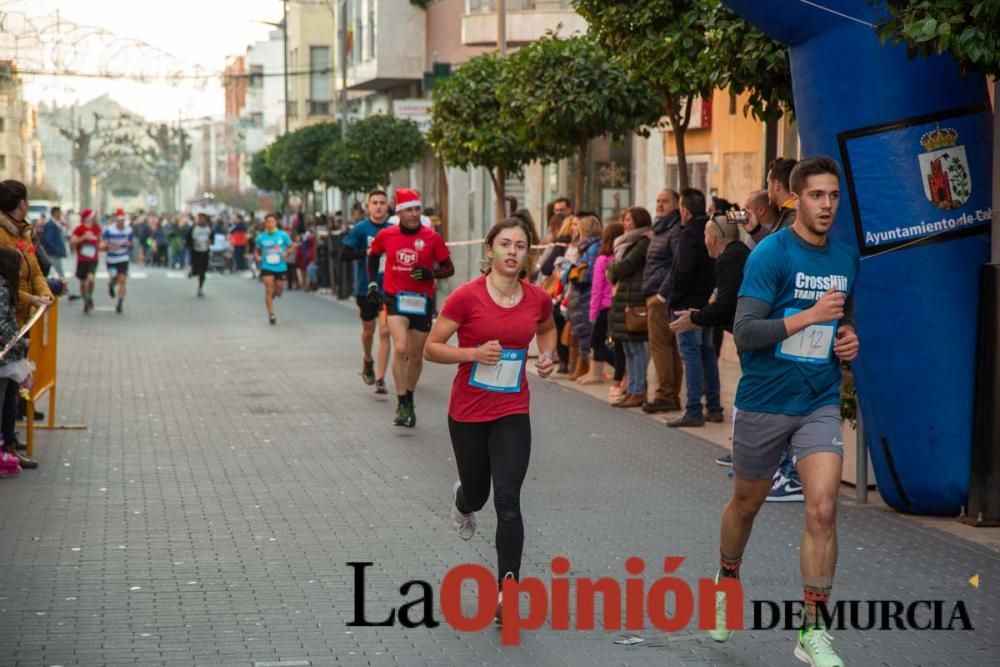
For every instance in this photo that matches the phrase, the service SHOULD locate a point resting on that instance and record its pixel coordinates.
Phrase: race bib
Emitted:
(408, 303)
(812, 345)
(272, 258)
(88, 251)
(504, 376)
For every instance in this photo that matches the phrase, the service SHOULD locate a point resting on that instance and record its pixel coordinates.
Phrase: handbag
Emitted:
(636, 317)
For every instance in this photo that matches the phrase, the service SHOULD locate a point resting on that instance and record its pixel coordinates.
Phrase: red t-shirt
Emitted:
(87, 250)
(480, 320)
(405, 252)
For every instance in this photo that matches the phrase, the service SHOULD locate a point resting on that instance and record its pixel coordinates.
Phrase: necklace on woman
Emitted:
(509, 297)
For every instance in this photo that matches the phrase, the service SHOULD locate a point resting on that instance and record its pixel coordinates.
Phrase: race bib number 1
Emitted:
(504, 376)
(812, 345)
(408, 303)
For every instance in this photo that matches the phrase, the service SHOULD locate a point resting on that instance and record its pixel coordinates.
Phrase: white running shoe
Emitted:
(720, 632)
(465, 524)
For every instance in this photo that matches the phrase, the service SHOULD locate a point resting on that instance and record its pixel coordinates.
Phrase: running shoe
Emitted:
(465, 524)
(118, 308)
(411, 417)
(380, 387)
(400, 418)
(815, 647)
(720, 632)
(368, 371)
(785, 490)
(272, 318)
(725, 460)
(498, 616)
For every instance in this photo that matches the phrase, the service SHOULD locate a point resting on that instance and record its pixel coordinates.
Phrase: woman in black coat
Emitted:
(626, 274)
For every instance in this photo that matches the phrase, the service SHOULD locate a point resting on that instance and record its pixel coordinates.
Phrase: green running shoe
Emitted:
(411, 417)
(400, 418)
(720, 633)
(815, 647)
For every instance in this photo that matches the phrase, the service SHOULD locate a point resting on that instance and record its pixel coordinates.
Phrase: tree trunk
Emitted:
(500, 189)
(678, 124)
(443, 198)
(581, 174)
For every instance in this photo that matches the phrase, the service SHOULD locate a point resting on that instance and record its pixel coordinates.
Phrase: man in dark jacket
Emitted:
(722, 240)
(692, 283)
(656, 275)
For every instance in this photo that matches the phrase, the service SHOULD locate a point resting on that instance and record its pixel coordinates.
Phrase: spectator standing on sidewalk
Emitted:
(656, 290)
(762, 216)
(692, 283)
(628, 321)
(238, 240)
(54, 241)
(580, 277)
(780, 196)
(601, 293)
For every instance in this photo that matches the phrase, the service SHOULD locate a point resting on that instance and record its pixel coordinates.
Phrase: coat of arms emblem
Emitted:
(944, 169)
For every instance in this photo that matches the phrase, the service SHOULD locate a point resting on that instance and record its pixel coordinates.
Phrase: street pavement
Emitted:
(231, 469)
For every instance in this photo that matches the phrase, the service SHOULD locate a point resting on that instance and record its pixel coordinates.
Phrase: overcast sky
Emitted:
(202, 32)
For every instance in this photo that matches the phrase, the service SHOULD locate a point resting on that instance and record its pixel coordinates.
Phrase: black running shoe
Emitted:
(368, 372)
(118, 308)
(273, 318)
(400, 418)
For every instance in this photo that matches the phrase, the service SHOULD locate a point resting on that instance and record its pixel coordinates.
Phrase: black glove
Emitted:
(374, 294)
(420, 273)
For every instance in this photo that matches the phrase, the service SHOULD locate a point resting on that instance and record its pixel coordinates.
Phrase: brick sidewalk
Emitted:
(231, 469)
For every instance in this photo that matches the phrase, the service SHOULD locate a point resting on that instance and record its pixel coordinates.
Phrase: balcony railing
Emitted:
(490, 6)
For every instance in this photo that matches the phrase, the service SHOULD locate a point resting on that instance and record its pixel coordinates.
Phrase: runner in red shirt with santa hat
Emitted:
(496, 316)
(86, 239)
(414, 257)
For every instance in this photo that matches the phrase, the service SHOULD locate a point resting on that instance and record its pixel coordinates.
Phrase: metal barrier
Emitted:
(42, 348)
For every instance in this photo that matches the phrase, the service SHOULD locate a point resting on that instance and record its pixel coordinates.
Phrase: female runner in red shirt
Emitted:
(496, 316)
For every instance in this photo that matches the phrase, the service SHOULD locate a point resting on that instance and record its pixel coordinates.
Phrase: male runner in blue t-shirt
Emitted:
(356, 245)
(794, 327)
(271, 247)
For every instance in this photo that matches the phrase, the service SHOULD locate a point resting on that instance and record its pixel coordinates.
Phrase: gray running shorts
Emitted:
(759, 438)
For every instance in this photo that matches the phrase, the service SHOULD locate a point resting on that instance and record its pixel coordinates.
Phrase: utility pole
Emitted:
(502, 27)
(284, 48)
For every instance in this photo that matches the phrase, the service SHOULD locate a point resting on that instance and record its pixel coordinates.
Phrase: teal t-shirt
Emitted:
(272, 250)
(800, 374)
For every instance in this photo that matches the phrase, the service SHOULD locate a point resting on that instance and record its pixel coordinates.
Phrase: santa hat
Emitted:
(86, 214)
(120, 213)
(407, 199)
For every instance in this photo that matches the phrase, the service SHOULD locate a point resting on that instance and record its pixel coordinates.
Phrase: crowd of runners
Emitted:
(788, 303)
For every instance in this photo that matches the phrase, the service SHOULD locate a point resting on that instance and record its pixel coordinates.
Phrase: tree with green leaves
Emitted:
(684, 49)
(371, 150)
(966, 29)
(469, 129)
(293, 157)
(262, 176)
(561, 93)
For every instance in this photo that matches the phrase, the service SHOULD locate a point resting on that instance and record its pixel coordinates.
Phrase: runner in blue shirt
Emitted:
(794, 327)
(116, 240)
(356, 245)
(272, 247)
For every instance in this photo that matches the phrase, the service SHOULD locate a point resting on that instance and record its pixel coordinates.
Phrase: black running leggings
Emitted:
(199, 266)
(8, 416)
(497, 450)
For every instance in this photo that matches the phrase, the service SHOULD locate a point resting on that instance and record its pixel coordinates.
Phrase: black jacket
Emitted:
(659, 257)
(693, 272)
(728, 278)
(626, 274)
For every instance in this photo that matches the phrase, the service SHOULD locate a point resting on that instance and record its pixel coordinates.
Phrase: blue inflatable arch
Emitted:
(914, 138)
